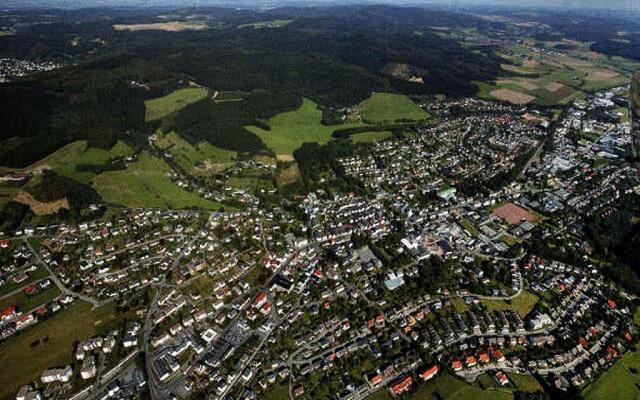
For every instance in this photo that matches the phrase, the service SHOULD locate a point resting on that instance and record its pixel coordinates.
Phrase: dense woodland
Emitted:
(336, 57)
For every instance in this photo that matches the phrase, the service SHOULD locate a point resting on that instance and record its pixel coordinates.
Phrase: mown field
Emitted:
(388, 108)
(289, 130)
(521, 304)
(145, 184)
(166, 105)
(619, 382)
(45, 345)
(200, 159)
(65, 160)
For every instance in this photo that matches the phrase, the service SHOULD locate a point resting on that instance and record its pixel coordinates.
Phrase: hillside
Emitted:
(635, 97)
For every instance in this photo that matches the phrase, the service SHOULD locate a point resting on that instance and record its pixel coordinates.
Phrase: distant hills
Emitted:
(615, 5)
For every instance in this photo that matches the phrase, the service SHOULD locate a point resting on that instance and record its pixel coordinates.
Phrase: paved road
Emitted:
(59, 284)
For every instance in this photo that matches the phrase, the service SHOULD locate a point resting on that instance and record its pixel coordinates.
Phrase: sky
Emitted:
(618, 5)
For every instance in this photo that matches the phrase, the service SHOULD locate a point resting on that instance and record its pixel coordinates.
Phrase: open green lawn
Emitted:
(166, 105)
(525, 383)
(459, 305)
(278, 391)
(200, 159)
(368, 137)
(9, 286)
(469, 226)
(521, 304)
(44, 345)
(27, 303)
(65, 159)
(389, 108)
(289, 130)
(618, 382)
(145, 184)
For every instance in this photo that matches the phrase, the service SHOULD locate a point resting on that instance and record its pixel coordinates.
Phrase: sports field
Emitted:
(521, 304)
(388, 108)
(289, 130)
(45, 345)
(166, 105)
(145, 184)
(65, 160)
(619, 382)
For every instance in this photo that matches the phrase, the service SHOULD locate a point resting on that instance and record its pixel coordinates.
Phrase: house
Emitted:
(27, 393)
(430, 372)
(57, 375)
(471, 361)
(88, 369)
(401, 385)
(374, 380)
(456, 365)
(502, 378)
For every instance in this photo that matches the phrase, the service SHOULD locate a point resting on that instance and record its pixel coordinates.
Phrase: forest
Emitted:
(335, 57)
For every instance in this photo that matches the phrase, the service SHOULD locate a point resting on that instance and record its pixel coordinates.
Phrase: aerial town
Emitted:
(308, 200)
(428, 270)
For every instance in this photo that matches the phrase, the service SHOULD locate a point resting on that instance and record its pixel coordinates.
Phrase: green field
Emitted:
(289, 130)
(525, 383)
(200, 159)
(618, 382)
(469, 226)
(448, 388)
(44, 345)
(278, 391)
(388, 108)
(369, 137)
(521, 304)
(230, 96)
(7, 193)
(145, 184)
(27, 303)
(275, 23)
(65, 159)
(166, 105)
(33, 276)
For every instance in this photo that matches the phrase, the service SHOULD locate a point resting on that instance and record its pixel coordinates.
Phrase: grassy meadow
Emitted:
(65, 160)
(164, 106)
(145, 184)
(521, 304)
(619, 382)
(370, 137)
(45, 345)
(388, 108)
(289, 130)
(198, 159)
